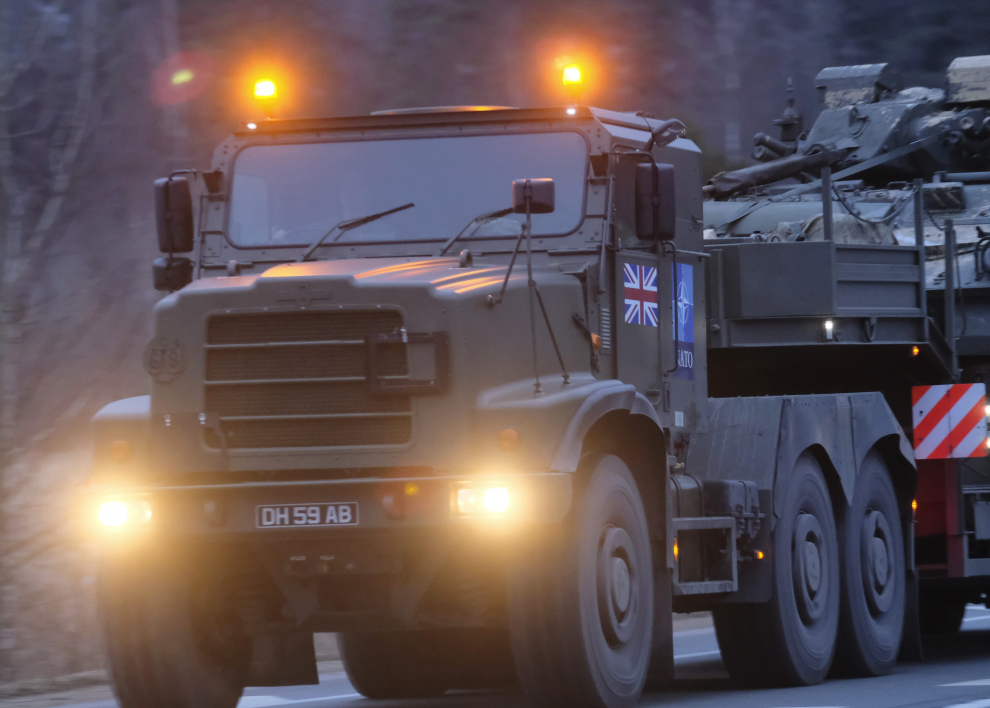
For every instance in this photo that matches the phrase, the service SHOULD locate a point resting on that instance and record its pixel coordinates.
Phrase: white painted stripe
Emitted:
(716, 652)
(977, 682)
(973, 440)
(982, 703)
(977, 393)
(981, 618)
(694, 632)
(262, 701)
(934, 438)
(974, 395)
(267, 701)
(927, 402)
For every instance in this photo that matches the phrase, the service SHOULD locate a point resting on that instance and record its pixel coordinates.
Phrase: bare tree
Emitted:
(58, 66)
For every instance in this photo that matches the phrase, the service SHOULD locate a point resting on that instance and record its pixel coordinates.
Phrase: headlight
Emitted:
(481, 499)
(496, 500)
(120, 512)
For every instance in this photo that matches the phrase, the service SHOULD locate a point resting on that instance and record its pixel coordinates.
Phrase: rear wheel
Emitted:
(940, 613)
(409, 664)
(581, 598)
(790, 640)
(873, 575)
(171, 640)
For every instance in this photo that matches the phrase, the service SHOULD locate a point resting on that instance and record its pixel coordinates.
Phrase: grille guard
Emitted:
(441, 364)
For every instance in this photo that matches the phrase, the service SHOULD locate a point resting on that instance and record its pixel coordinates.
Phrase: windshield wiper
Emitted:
(346, 225)
(480, 221)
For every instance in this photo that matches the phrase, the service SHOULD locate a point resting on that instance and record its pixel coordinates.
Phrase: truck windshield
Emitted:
(289, 195)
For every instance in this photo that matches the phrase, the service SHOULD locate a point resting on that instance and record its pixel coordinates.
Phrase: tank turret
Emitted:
(867, 115)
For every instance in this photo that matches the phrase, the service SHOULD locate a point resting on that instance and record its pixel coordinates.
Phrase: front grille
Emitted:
(297, 379)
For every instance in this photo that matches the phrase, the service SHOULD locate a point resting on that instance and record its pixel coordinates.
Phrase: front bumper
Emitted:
(234, 511)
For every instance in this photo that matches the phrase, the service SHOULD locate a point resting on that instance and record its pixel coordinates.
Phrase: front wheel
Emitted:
(580, 598)
(402, 664)
(171, 639)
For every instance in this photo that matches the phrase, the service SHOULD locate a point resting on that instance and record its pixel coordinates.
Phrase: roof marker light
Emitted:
(265, 89)
(571, 111)
(252, 126)
(572, 74)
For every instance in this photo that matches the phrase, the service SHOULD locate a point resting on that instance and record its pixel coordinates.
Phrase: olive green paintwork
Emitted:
(492, 378)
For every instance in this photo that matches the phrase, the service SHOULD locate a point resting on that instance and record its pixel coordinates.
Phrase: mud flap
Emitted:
(283, 660)
(911, 639)
(660, 673)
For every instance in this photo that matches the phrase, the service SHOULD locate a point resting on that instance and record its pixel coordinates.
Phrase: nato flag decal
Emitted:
(683, 296)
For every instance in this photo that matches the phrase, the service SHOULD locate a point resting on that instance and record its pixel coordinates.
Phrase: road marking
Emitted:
(983, 703)
(266, 701)
(981, 618)
(977, 682)
(697, 653)
(700, 630)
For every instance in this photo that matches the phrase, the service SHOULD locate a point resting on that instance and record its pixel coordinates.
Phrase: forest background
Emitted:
(99, 97)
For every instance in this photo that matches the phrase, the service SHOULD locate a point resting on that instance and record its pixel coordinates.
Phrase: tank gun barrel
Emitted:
(726, 184)
(778, 146)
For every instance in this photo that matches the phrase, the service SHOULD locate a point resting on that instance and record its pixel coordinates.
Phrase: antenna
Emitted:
(791, 124)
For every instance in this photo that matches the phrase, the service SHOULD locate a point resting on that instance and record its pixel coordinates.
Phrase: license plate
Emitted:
(299, 515)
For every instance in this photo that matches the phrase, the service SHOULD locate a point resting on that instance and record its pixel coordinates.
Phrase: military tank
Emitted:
(877, 139)
(903, 166)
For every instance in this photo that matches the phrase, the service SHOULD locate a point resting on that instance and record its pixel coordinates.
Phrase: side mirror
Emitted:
(540, 193)
(171, 274)
(655, 208)
(174, 215)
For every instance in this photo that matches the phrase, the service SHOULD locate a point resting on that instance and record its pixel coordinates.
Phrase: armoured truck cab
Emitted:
(398, 350)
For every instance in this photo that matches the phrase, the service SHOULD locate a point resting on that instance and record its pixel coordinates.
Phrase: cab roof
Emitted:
(446, 116)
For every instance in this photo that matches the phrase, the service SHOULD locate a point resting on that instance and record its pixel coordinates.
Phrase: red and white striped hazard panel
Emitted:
(949, 421)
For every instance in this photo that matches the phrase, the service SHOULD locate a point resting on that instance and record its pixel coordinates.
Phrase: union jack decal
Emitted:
(641, 294)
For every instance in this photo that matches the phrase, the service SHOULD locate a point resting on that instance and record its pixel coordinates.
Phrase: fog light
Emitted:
(467, 501)
(496, 500)
(114, 513)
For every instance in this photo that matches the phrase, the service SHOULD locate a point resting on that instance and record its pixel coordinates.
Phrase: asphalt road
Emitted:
(956, 673)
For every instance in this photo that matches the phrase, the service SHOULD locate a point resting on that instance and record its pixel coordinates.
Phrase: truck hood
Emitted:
(284, 349)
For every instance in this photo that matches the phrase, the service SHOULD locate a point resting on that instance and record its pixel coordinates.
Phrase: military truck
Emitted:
(905, 166)
(439, 380)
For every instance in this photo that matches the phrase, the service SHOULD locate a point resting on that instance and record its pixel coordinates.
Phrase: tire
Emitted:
(383, 665)
(165, 649)
(872, 574)
(790, 640)
(940, 613)
(580, 598)
(481, 660)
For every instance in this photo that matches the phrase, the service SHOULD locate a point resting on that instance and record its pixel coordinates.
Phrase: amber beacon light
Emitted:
(266, 93)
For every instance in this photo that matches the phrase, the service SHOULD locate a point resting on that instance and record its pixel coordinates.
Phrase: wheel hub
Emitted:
(812, 567)
(617, 594)
(809, 568)
(876, 555)
(620, 585)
